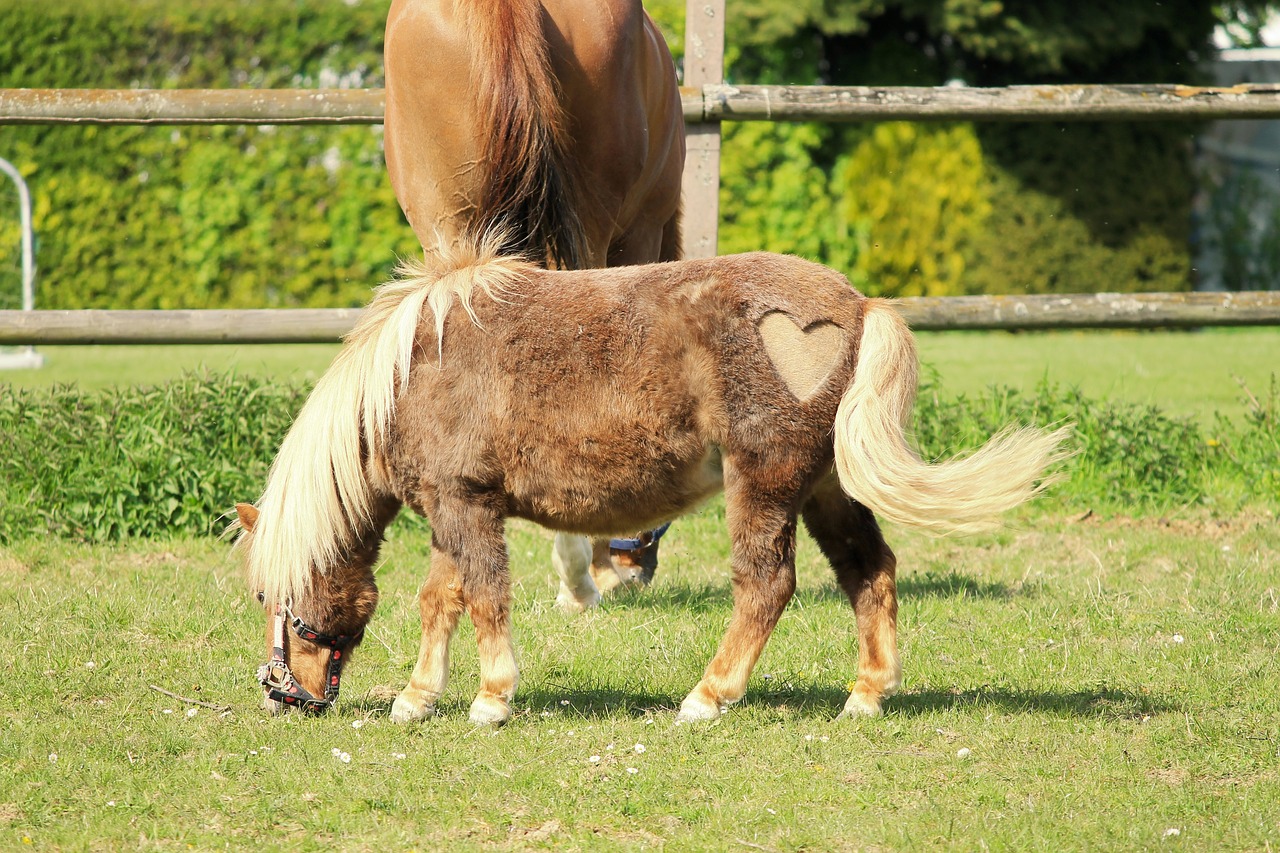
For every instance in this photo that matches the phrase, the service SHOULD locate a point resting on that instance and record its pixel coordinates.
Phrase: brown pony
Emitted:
(556, 122)
(598, 401)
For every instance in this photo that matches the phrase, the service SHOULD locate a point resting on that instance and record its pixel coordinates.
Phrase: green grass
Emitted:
(1111, 681)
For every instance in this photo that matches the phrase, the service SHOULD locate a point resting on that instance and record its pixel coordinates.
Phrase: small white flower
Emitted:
(963, 752)
(808, 737)
(595, 759)
(345, 757)
(649, 722)
(632, 770)
(564, 701)
(336, 752)
(569, 733)
(355, 724)
(53, 758)
(398, 756)
(111, 803)
(609, 748)
(167, 711)
(1171, 832)
(89, 664)
(824, 738)
(191, 712)
(770, 811)
(253, 752)
(546, 713)
(639, 747)
(1178, 638)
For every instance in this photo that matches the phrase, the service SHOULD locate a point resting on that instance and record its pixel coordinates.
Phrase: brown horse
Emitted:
(598, 401)
(557, 122)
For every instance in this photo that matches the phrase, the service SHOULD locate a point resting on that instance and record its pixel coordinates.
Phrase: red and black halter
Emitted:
(278, 679)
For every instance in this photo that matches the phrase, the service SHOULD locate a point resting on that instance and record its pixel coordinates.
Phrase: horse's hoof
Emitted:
(567, 603)
(489, 711)
(407, 711)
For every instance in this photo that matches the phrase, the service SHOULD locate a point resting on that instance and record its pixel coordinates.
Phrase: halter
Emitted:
(644, 540)
(278, 679)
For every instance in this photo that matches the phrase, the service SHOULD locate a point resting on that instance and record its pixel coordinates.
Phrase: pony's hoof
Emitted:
(407, 711)
(858, 705)
(695, 709)
(489, 711)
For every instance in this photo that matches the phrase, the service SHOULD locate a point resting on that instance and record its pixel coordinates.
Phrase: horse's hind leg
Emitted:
(865, 568)
(764, 579)
(572, 557)
(440, 602)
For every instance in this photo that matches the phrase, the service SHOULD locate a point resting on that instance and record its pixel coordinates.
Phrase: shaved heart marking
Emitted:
(803, 357)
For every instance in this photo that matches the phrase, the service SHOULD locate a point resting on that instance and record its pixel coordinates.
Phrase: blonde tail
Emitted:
(879, 469)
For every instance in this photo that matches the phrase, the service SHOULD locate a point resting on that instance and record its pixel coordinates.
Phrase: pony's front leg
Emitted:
(440, 602)
(469, 529)
(764, 579)
(571, 555)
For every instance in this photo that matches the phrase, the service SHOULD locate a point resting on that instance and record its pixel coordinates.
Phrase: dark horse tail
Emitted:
(531, 192)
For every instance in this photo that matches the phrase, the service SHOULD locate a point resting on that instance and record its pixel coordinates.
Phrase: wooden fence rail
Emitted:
(276, 326)
(707, 103)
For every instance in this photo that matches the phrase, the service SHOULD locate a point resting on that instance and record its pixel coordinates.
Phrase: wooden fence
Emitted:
(707, 101)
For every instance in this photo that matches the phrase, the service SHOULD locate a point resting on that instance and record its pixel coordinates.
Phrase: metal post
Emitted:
(26, 357)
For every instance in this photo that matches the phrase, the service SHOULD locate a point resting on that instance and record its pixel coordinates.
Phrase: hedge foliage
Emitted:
(199, 217)
(108, 465)
(240, 217)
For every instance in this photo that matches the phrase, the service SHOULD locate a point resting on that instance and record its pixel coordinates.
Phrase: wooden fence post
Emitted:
(703, 65)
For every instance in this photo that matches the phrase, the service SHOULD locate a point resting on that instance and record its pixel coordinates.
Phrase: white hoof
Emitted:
(695, 709)
(566, 602)
(405, 710)
(488, 711)
(861, 706)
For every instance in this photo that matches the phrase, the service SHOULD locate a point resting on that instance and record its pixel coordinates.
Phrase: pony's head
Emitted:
(311, 632)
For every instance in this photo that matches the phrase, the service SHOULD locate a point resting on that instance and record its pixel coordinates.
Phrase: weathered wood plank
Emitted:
(956, 313)
(261, 326)
(700, 184)
(706, 103)
(1093, 311)
(1011, 103)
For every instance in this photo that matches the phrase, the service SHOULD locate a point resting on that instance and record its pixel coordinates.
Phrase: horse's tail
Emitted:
(878, 467)
(324, 485)
(531, 192)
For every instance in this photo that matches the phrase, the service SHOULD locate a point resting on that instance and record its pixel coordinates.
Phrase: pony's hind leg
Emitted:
(764, 579)
(865, 568)
(440, 602)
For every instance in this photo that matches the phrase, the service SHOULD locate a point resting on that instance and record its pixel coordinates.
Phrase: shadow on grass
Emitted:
(707, 597)
(609, 701)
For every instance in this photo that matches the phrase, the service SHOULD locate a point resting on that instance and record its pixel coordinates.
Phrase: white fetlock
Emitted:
(406, 710)
(861, 705)
(490, 711)
(696, 709)
(569, 602)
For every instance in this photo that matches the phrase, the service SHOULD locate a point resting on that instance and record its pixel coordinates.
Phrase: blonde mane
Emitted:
(323, 486)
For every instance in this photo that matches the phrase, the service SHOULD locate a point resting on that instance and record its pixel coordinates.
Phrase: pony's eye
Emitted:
(262, 598)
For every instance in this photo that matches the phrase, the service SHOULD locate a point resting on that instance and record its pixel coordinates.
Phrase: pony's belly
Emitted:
(611, 505)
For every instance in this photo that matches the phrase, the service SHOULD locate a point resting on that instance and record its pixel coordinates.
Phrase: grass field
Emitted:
(1185, 373)
(1071, 682)
(1069, 685)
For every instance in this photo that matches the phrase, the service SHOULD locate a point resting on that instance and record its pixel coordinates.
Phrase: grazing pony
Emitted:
(558, 123)
(597, 401)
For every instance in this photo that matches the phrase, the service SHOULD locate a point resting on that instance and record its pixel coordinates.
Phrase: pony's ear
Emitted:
(248, 516)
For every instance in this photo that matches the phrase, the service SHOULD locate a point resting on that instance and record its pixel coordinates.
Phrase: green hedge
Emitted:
(199, 217)
(109, 465)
